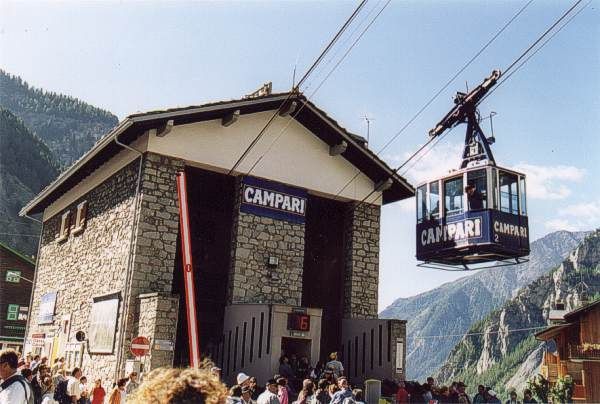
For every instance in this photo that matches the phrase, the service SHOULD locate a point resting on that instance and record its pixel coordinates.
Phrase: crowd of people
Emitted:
(430, 393)
(32, 380)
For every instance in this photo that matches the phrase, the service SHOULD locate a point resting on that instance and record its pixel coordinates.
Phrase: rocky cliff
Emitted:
(453, 308)
(501, 350)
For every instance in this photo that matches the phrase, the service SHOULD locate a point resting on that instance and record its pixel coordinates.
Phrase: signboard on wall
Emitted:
(399, 355)
(272, 199)
(103, 324)
(47, 305)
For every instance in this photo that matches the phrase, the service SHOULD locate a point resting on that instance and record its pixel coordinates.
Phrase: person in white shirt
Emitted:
(269, 396)
(14, 388)
(73, 385)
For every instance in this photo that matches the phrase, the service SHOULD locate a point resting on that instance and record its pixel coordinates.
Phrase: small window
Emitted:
(80, 217)
(523, 199)
(421, 203)
(453, 196)
(434, 199)
(476, 189)
(13, 312)
(509, 196)
(13, 276)
(65, 226)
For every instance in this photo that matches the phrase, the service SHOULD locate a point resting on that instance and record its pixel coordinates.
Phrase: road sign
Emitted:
(140, 346)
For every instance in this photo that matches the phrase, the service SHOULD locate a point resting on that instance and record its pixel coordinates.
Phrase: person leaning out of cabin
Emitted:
(474, 196)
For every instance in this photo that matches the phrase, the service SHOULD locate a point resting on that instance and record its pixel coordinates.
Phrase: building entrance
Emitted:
(211, 201)
(298, 347)
(323, 276)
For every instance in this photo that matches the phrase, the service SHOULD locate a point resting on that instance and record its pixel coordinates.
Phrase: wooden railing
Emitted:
(578, 352)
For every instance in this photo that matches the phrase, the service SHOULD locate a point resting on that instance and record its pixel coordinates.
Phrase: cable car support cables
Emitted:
(479, 94)
(437, 93)
(297, 87)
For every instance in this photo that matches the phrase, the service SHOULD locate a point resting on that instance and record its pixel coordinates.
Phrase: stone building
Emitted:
(285, 255)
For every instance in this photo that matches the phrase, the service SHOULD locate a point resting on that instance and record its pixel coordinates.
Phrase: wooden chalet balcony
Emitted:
(578, 352)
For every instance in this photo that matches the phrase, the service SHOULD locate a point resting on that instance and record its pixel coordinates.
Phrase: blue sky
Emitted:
(137, 56)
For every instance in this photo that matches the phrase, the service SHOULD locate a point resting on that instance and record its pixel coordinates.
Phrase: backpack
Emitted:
(60, 392)
(24, 383)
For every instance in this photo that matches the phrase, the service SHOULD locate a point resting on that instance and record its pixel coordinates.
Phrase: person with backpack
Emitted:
(15, 389)
(60, 392)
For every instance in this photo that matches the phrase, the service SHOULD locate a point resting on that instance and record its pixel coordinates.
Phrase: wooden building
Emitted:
(573, 348)
(16, 272)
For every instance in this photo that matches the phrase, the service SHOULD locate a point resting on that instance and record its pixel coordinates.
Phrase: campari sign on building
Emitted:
(274, 200)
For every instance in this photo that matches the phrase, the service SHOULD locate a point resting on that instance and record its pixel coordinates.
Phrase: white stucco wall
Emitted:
(298, 158)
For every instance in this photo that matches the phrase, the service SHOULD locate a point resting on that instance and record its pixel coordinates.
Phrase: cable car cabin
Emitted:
(471, 216)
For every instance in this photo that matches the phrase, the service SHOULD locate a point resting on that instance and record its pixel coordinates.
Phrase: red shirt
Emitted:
(98, 394)
(402, 396)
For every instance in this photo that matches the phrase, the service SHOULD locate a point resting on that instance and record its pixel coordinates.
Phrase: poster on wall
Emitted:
(399, 355)
(103, 324)
(47, 305)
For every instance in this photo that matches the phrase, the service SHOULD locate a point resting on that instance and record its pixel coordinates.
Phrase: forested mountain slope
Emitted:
(69, 126)
(26, 166)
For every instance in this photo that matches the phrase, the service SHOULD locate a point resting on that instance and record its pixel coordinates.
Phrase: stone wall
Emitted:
(89, 264)
(155, 239)
(158, 319)
(255, 238)
(362, 261)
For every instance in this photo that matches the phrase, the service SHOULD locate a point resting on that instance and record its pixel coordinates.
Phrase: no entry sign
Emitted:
(140, 346)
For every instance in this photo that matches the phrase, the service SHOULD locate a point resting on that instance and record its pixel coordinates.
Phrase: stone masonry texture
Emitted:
(155, 239)
(362, 261)
(255, 238)
(158, 318)
(89, 264)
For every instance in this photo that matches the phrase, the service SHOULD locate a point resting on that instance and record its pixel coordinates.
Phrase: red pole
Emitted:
(188, 273)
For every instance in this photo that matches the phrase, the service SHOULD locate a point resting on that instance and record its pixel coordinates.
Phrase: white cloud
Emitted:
(579, 216)
(561, 224)
(550, 182)
(436, 163)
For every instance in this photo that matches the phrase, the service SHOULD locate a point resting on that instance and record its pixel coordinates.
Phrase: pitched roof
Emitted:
(310, 116)
(575, 314)
(550, 332)
(17, 254)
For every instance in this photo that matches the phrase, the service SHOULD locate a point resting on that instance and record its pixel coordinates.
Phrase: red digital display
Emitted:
(298, 322)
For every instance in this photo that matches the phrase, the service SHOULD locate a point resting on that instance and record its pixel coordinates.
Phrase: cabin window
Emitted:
(434, 200)
(421, 203)
(477, 198)
(494, 189)
(453, 196)
(522, 194)
(509, 199)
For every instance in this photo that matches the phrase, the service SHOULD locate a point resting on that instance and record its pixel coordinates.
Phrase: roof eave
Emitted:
(120, 128)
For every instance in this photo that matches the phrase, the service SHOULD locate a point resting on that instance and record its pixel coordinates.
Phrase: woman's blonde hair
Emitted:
(180, 386)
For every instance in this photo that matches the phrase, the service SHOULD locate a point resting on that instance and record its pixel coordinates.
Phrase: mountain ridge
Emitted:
(454, 307)
(501, 350)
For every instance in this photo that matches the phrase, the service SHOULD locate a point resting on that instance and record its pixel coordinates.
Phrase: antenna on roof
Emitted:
(368, 121)
(265, 89)
(294, 73)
